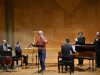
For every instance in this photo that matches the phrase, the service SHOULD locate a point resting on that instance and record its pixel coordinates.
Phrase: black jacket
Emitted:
(65, 49)
(81, 41)
(97, 43)
(1, 48)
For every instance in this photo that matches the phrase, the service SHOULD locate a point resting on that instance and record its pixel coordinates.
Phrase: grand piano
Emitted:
(86, 51)
(86, 47)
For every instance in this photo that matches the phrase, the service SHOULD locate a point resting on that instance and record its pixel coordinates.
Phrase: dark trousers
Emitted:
(70, 58)
(98, 57)
(80, 61)
(71, 67)
(25, 59)
(13, 59)
(42, 57)
(18, 56)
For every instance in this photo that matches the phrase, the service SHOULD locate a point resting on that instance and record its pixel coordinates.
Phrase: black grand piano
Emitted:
(85, 48)
(86, 51)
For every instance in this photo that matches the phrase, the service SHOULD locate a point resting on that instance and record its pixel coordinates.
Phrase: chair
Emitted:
(6, 60)
(62, 62)
(24, 60)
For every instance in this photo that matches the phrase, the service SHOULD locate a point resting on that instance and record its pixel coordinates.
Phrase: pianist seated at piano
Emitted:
(67, 50)
(80, 40)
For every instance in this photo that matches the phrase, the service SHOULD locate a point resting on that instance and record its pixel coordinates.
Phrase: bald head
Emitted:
(98, 34)
(40, 33)
(4, 41)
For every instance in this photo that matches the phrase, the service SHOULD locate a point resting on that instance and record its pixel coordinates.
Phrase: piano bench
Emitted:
(68, 62)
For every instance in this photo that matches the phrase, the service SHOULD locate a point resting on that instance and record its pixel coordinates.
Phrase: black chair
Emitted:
(65, 61)
(24, 60)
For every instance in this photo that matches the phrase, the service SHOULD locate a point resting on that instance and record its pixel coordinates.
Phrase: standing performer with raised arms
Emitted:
(41, 44)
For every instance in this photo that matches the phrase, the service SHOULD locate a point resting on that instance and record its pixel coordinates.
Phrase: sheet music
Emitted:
(73, 46)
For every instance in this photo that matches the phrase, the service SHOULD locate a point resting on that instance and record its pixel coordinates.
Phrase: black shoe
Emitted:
(40, 71)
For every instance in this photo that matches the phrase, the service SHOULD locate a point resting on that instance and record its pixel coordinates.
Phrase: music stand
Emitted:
(6, 53)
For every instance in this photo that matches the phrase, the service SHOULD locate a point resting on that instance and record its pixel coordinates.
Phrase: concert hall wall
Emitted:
(59, 19)
(2, 21)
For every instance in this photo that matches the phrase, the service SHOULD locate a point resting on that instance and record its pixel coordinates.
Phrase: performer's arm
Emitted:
(36, 45)
(44, 39)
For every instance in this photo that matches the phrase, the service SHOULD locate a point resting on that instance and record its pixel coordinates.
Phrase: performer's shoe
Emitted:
(40, 71)
(43, 71)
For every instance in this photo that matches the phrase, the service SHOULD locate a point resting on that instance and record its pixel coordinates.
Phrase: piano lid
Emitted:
(86, 47)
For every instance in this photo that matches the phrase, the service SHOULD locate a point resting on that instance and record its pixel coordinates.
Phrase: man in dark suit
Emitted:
(80, 40)
(97, 49)
(67, 50)
(18, 52)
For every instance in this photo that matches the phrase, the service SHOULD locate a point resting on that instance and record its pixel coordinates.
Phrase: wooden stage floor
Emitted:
(51, 68)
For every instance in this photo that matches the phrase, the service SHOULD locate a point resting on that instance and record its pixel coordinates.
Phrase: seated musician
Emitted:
(3, 48)
(1, 59)
(97, 49)
(18, 52)
(80, 40)
(67, 50)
